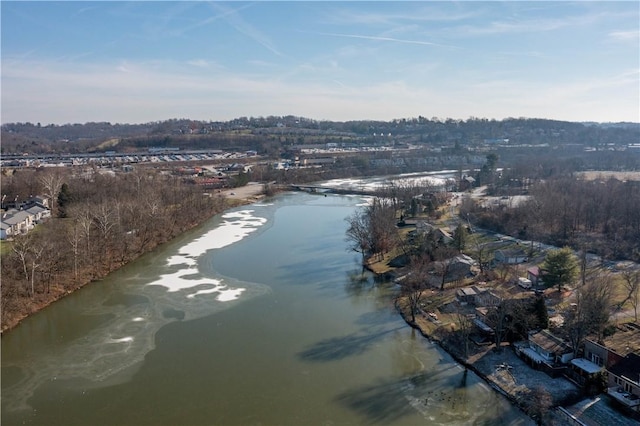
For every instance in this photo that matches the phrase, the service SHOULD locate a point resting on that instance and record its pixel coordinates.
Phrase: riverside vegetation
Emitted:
(421, 260)
(100, 222)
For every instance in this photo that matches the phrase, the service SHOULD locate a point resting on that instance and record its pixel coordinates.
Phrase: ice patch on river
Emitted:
(437, 179)
(127, 321)
(237, 226)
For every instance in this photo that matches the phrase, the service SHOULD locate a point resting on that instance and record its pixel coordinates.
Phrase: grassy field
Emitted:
(5, 248)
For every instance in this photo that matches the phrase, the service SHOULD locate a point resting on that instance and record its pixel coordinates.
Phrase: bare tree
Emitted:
(504, 272)
(21, 247)
(382, 225)
(28, 253)
(84, 220)
(480, 252)
(632, 285)
(465, 326)
(499, 318)
(36, 254)
(105, 220)
(537, 403)
(414, 283)
(54, 258)
(444, 268)
(590, 313)
(358, 233)
(74, 237)
(52, 183)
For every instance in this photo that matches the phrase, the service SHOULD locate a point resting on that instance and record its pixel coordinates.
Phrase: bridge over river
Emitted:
(331, 190)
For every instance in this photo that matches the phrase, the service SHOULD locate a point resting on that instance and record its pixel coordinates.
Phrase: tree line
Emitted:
(600, 216)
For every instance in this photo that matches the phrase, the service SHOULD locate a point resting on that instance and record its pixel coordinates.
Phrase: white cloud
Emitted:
(423, 14)
(625, 36)
(200, 63)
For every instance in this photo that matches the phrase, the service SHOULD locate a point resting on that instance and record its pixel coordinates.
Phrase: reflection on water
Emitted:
(261, 317)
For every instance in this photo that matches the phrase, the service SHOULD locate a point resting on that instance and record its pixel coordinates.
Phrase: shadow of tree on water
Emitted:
(387, 401)
(383, 402)
(377, 318)
(344, 346)
(435, 394)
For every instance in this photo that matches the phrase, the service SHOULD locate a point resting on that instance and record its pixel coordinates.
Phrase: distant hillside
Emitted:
(254, 133)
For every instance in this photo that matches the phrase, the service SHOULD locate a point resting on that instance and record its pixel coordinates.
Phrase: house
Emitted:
(534, 274)
(583, 372)
(39, 213)
(423, 227)
(466, 183)
(615, 347)
(481, 320)
(511, 256)
(16, 222)
(439, 234)
(454, 269)
(618, 355)
(38, 199)
(624, 382)
(444, 236)
(546, 351)
(487, 298)
(477, 296)
(466, 295)
(6, 231)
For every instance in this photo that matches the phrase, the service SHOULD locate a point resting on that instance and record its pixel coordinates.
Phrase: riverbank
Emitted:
(251, 192)
(234, 197)
(533, 391)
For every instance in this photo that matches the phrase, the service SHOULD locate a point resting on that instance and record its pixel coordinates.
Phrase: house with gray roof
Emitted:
(18, 221)
(624, 382)
(15, 222)
(510, 256)
(39, 213)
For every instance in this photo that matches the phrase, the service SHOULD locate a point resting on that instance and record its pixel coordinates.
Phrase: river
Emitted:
(259, 317)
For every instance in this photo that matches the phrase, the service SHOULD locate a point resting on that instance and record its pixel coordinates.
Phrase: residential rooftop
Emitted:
(625, 340)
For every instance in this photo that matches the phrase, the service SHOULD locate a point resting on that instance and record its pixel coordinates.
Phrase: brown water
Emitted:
(173, 340)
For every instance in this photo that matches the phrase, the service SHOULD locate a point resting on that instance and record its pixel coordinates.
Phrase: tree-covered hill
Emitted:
(251, 132)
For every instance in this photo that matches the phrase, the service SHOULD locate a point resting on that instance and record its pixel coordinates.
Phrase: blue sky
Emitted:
(133, 62)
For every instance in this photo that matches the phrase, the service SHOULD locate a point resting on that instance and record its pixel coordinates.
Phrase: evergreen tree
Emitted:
(561, 267)
(64, 199)
(540, 311)
(460, 238)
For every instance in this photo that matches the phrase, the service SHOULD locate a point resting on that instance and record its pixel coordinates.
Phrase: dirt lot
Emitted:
(249, 192)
